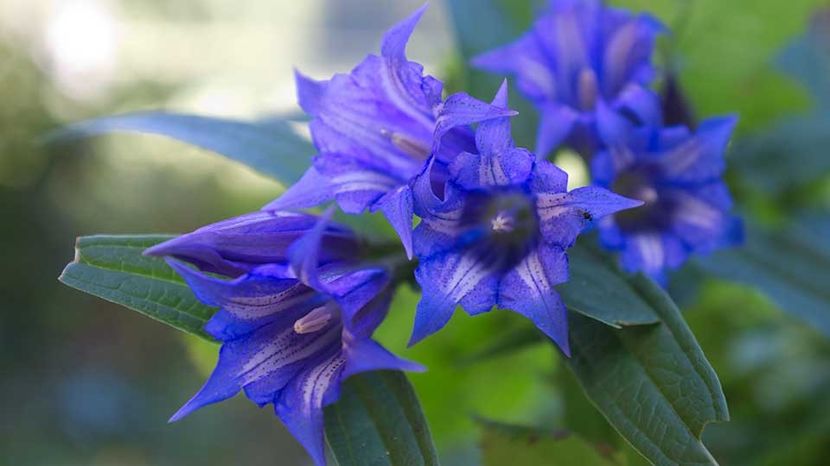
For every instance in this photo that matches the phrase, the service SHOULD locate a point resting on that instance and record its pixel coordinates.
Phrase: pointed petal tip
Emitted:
(309, 92)
(500, 100)
(411, 366)
(156, 251)
(396, 38)
(418, 333)
(181, 413)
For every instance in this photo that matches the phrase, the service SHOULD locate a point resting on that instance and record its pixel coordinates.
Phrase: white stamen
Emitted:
(502, 223)
(315, 320)
(411, 147)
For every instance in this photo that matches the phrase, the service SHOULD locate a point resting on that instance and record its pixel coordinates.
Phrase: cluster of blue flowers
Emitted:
(300, 296)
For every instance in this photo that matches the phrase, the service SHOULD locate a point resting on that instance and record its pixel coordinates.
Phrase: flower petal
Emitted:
(237, 245)
(701, 157)
(446, 279)
(367, 355)
(300, 405)
(262, 363)
(556, 123)
(311, 190)
(397, 207)
(461, 109)
(564, 215)
(529, 290)
(396, 38)
(310, 93)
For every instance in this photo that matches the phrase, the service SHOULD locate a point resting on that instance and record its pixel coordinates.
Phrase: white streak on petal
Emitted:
(682, 158)
(254, 307)
(651, 251)
(491, 173)
(468, 272)
(694, 212)
(314, 386)
(446, 222)
(285, 349)
(532, 272)
(363, 181)
(550, 205)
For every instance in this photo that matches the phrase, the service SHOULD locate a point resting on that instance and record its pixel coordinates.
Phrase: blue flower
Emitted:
(496, 232)
(374, 129)
(578, 54)
(297, 308)
(678, 174)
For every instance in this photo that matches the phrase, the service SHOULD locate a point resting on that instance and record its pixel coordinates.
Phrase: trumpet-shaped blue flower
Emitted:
(678, 174)
(497, 233)
(578, 54)
(297, 309)
(374, 129)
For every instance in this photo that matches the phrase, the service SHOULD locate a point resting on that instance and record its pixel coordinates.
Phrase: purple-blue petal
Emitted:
(564, 215)
(311, 190)
(528, 289)
(397, 207)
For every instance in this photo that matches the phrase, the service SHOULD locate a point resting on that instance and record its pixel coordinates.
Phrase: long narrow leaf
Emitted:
(792, 267)
(651, 382)
(272, 148)
(378, 422)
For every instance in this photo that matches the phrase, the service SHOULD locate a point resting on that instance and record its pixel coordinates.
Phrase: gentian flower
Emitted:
(297, 308)
(578, 54)
(374, 129)
(678, 174)
(497, 234)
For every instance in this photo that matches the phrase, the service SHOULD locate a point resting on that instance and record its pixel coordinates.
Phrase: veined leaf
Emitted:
(598, 289)
(378, 422)
(791, 267)
(270, 147)
(113, 268)
(503, 444)
(652, 382)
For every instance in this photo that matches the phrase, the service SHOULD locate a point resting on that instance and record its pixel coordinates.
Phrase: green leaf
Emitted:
(791, 267)
(270, 147)
(791, 153)
(651, 382)
(807, 59)
(378, 422)
(113, 268)
(503, 444)
(598, 289)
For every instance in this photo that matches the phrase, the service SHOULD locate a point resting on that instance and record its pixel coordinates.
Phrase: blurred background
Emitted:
(84, 382)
